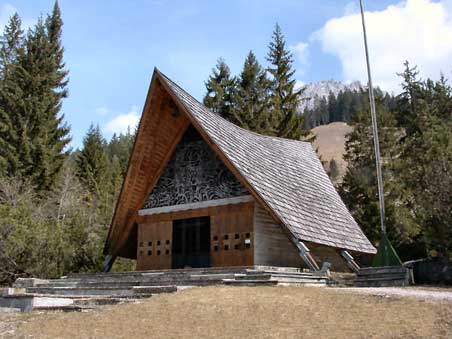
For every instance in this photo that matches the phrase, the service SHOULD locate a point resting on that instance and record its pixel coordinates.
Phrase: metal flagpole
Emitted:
(386, 255)
(374, 129)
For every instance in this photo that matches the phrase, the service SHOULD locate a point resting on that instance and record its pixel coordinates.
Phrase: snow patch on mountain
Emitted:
(314, 91)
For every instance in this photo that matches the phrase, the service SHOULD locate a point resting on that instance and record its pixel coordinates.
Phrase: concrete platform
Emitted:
(78, 292)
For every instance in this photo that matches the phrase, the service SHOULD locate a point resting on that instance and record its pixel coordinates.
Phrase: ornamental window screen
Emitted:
(194, 174)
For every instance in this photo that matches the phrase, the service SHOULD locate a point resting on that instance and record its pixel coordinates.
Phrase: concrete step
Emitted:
(65, 308)
(302, 281)
(256, 282)
(129, 280)
(292, 274)
(251, 276)
(176, 272)
(26, 302)
(9, 310)
(130, 284)
(118, 291)
(96, 301)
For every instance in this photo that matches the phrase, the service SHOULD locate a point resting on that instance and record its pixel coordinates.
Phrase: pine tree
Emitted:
(333, 171)
(250, 100)
(359, 187)
(409, 103)
(11, 42)
(332, 107)
(285, 120)
(220, 88)
(120, 146)
(92, 162)
(425, 112)
(54, 137)
(12, 126)
(323, 112)
(30, 102)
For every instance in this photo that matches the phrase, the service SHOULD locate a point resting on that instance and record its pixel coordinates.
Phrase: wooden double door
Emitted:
(191, 243)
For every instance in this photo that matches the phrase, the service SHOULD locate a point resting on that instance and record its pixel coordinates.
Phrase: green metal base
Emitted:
(386, 254)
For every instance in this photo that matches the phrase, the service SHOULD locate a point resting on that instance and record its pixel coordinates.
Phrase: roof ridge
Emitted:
(220, 117)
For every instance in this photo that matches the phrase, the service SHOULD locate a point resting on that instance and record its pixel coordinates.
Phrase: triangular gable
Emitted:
(194, 174)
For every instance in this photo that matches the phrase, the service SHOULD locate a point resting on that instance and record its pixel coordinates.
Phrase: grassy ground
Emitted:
(249, 312)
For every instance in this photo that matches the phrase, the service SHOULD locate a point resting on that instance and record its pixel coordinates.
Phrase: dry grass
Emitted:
(251, 312)
(330, 141)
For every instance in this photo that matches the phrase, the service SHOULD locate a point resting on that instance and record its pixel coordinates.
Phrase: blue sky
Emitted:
(113, 46)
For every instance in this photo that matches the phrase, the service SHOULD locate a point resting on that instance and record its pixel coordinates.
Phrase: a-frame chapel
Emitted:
(202, 192)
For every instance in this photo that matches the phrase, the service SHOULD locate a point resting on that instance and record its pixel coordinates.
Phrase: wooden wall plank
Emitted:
(272, 247)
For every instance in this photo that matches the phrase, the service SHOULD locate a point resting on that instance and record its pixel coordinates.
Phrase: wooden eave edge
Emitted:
(107, 245)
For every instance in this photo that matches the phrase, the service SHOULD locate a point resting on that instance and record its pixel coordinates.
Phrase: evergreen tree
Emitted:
(12, 127)
(120, 146)
(220, 90)
(332, 107)
(11, 42)
(323, 113)
(359, 187)
(92, 162)
(51, 131)
(333, 170)
(409, 103)
(425, 112)
(251, 102)
(30, 101)
(284, 98)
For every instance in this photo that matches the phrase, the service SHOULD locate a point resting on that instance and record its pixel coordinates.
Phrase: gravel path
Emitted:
(410, 292)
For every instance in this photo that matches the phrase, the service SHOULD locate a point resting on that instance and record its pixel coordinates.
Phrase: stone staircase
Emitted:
(78, 292)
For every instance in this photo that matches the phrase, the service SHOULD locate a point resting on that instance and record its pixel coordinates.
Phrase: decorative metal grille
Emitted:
(194, 174)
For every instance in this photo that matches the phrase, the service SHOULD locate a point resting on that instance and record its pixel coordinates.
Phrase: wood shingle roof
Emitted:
(286, 174)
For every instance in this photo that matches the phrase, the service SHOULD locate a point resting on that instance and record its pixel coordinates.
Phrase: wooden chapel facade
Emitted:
(202, 192)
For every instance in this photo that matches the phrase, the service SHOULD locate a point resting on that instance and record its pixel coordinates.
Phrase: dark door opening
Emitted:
(191, 243)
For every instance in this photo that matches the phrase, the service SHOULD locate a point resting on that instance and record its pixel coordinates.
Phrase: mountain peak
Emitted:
(315, 91)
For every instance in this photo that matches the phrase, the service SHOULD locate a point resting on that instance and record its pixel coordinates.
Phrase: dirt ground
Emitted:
(245, 312)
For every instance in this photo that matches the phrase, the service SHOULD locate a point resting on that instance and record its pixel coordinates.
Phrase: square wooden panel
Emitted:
(230, 227)
(154, 246)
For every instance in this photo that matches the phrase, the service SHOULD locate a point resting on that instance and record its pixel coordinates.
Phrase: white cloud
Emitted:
(301, 51)
(122, 122)
(6, 11)
(419, 31)
(102, 110)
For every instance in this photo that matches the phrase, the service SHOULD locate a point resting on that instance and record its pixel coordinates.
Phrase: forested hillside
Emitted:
(343, 106)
